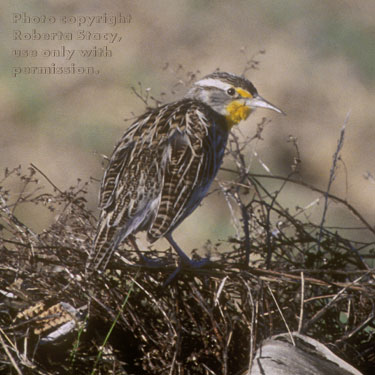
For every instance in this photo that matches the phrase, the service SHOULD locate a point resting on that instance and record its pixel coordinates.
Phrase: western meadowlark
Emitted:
(165, 162)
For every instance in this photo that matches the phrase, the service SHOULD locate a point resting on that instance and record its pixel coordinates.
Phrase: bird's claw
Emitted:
(186, 264)
(152, 263)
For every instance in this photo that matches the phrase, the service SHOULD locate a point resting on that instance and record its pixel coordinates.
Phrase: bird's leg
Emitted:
(147, 261)
(185, 260)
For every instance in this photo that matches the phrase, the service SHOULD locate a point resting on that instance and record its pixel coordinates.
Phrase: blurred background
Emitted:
(317, 63)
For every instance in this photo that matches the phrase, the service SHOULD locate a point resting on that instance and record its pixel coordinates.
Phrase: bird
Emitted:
(163, 166)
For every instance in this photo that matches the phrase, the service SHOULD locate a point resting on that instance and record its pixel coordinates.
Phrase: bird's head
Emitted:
(232, 96)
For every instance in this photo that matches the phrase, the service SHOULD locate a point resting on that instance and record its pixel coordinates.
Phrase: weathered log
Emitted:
(300, 355)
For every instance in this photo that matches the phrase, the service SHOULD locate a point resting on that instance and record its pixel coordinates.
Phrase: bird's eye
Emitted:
(231, 91)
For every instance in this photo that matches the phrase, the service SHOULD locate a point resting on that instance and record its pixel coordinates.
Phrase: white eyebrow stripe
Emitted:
(210, 82)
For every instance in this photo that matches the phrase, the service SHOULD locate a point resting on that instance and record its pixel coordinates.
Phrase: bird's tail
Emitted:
(102, 249)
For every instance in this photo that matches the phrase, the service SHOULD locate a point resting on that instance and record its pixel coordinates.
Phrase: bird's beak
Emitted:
(258, 102)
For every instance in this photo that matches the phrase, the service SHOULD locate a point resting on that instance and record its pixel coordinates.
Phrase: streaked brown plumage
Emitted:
(165, 162)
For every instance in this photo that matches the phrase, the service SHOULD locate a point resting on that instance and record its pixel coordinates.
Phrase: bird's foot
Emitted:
(190, 263)
(151, 263)
(187, 263)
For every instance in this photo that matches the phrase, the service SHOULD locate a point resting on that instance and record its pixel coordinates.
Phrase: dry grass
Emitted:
(280, 274)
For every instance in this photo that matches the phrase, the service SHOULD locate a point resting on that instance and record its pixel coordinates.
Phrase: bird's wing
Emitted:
(130, 185)
(193, 156)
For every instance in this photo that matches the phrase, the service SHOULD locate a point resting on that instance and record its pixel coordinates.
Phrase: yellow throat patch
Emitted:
(236, 112)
